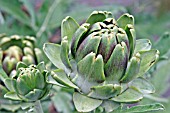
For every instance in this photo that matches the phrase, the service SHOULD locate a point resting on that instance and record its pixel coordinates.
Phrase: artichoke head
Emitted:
(29, 83)
(102, 60)
(17, 48)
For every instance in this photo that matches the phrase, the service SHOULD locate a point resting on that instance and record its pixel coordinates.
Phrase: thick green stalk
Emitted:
(38, 107)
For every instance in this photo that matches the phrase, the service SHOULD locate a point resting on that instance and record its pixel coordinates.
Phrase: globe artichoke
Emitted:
(18, 48)
(103, 61)
(29, 83)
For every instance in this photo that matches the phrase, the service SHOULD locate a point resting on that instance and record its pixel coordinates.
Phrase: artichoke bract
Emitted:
(103, 61)
(18, 48)
(29, 83)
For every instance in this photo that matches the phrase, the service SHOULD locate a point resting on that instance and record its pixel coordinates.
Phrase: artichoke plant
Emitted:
(18, 48)
(102, 60)
(29, 83)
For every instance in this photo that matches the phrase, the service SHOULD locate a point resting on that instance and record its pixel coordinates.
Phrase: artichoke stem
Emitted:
(38, 107)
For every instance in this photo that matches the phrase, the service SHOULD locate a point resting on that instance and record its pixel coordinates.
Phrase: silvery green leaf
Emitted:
(162, 43)
(148, 58)
(84, 103)
(130, 95)
(53, 53)
(143, 85)
(110, 105)
(105, 91)
(144, 108)
(63, 102)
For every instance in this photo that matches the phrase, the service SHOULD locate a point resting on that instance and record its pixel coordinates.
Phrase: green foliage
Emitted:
(43, 20)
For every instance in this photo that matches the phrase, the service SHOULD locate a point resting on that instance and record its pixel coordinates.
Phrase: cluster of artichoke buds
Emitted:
(29, 83)
(18, 48)
(103, 61)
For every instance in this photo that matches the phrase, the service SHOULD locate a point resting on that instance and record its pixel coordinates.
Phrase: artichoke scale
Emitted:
(132, 69)
(96, 16)
(78, 37)
(117, 63)
(68, 28)
(90, 72)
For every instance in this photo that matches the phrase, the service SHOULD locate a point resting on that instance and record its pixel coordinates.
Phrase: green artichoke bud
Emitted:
(29, 83)
(18, 48)
(102, 60)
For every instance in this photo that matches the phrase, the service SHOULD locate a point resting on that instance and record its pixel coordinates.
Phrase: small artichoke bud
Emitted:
(18, 48)
(30, 82)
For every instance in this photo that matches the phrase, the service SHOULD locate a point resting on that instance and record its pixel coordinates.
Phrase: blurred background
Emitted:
(42, 19)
